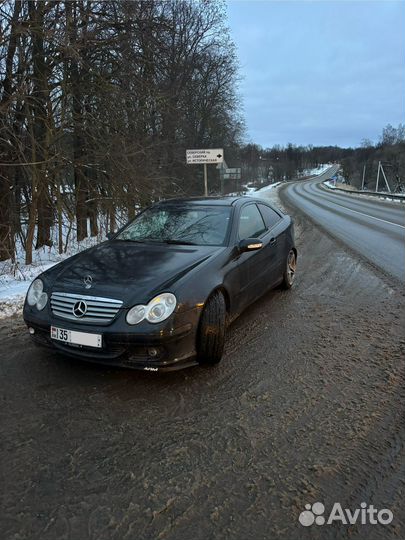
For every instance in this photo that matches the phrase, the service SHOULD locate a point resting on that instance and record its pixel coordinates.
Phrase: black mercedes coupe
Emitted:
(160, 293)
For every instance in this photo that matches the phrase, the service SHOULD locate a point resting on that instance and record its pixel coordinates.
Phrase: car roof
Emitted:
(211, 201)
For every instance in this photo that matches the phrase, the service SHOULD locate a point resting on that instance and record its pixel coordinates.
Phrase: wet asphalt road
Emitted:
(373, 228)
(307, 405)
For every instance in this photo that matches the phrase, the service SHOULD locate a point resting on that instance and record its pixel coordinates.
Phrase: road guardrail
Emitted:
(397, 196)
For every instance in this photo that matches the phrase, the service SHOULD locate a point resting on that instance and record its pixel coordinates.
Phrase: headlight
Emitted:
(35, 291)
(36, 295)
(136, 314)
(160, 307)
(157, 310)
(43, 300)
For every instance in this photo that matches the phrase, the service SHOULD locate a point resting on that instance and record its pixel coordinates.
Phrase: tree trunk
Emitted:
(31, 228)
(113, 225)
(45, 219)
(6, 221)
(7, 174)
(80, 179)
(40, 96)
(93, 214)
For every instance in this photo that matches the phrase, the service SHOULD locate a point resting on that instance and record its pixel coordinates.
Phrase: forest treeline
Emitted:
(287, 162)
(99, 101)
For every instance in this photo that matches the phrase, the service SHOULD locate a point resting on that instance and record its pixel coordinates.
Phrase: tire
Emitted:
(211, 330)
(290, 270)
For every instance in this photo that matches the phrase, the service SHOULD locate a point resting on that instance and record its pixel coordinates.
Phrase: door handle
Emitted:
(273, 241)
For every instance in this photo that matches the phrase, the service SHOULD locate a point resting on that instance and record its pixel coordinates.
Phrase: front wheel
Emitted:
(211, 330)
(289, 270)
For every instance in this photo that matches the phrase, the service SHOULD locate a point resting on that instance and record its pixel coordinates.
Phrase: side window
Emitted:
(270, 216)
(251, 224)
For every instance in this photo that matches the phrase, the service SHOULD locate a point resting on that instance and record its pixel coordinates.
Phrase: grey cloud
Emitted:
(320, 72)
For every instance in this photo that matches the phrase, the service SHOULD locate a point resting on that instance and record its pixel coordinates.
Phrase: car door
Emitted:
(251, 264)
(275, 245)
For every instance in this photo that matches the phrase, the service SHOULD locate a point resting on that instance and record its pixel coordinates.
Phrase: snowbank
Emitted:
(16, 277)
(270, 186)
(329, 184)
(317, 170)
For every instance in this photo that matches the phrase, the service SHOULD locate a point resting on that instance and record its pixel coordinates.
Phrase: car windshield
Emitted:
(193, 225)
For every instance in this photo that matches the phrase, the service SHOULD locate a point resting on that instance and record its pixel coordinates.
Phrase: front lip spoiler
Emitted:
(158, 367)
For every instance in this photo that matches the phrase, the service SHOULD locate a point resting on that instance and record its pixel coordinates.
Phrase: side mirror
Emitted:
(110, 235)
(250, 244)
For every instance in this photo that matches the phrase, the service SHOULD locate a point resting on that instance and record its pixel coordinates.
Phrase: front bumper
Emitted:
(162, 348)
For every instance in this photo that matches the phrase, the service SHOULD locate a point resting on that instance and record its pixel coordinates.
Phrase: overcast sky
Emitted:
(320, 72)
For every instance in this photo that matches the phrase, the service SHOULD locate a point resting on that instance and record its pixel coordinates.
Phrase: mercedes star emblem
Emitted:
(88, 280)
(80, 309)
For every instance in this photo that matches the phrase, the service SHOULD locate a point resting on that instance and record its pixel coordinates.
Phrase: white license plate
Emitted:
(76, 338)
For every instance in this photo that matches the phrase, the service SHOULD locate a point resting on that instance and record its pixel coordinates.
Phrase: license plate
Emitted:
(77, 338)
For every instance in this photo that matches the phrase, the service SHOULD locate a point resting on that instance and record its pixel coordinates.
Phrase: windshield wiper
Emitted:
(158, 241)
(130, 240)
(179, 242)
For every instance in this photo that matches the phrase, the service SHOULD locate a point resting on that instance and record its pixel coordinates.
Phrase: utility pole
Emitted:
(378, 176)
(364, 176)
(385, 178)
(381, 168)
(205, 181)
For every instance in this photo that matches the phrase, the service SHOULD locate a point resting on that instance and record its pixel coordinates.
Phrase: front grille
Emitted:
(99, 310)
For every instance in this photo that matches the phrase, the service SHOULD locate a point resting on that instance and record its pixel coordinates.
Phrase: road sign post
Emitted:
(204, 156)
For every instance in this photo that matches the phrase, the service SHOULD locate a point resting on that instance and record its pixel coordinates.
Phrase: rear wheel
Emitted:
(211, 331)
(290, 269)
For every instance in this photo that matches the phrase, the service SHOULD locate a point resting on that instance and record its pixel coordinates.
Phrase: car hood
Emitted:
(128, 271)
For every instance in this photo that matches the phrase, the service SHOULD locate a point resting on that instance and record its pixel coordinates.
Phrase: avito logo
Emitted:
(314, 513)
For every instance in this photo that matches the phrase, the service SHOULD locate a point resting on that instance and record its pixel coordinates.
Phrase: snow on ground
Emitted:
(270, 193)
(14, 285)
(269, 187)
(249, 191)
(329, 184)
(16, 277)
(317, 170)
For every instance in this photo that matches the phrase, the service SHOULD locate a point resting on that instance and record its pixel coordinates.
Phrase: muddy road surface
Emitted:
(307, 406)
